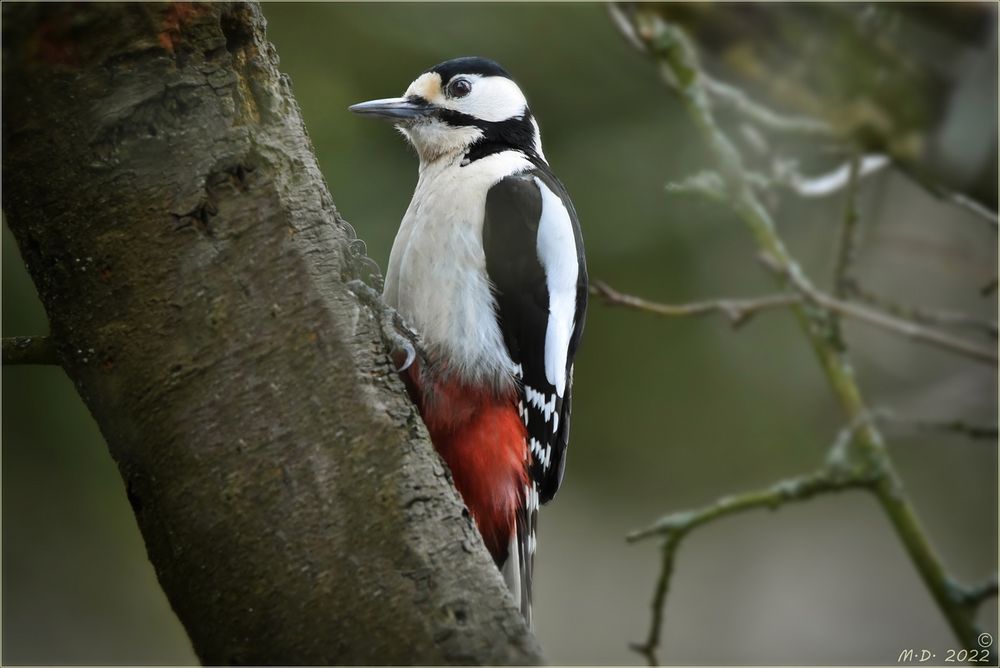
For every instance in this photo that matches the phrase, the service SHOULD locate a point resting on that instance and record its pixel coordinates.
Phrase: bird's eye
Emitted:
(459, 88)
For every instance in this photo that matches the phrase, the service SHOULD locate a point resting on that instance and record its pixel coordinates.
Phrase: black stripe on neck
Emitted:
(513, 133)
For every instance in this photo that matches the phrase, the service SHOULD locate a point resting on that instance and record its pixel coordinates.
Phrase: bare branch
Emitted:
(958, 426)
(847, 241)
(29, 350)
(979, 210)
(971, 205)
(672, 528)
(706, 184)
(973, 597)
(738, 311)
(624, 24)
(906, 328)
(652, 642)
(731, 96)
(802, 488)
(923, 315)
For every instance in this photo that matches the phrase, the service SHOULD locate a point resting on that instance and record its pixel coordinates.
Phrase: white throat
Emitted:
(434, 139)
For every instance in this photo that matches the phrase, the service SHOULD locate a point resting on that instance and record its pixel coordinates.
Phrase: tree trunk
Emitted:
(168, 205)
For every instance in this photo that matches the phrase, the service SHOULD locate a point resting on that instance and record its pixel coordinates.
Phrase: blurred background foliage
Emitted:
(668, 414)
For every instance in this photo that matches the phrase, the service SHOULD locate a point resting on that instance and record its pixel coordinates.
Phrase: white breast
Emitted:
(437, 268)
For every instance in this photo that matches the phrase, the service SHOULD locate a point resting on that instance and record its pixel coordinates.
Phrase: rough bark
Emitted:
(167, 202)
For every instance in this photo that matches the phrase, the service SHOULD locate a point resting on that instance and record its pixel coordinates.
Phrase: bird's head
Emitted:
(466, 107)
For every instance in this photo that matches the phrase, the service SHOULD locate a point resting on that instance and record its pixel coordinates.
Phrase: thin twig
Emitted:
(906, 328)
(755, 112)
(827, 479)
(738, 311)
(707, 184)
(674, 527)
(923, 315)
(979, 210)
(957, 426)
(847, 241)
(29, 350)
(973, 597)
(971, 205)
(652, 642)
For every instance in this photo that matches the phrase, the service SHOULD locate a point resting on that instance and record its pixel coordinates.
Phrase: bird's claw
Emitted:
(411, 354)
(395, 332)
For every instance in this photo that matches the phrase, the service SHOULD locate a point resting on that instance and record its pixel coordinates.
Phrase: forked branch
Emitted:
(905, 328)
(674, 527)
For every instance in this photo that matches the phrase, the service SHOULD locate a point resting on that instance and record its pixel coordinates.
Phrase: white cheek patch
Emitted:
(492, 99)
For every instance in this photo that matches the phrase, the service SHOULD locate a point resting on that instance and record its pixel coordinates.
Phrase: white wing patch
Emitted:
(557, 254)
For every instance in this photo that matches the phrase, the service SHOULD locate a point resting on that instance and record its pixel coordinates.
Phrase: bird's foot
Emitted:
(403, 342)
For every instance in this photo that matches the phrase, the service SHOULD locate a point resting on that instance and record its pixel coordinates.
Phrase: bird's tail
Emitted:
(519, 566)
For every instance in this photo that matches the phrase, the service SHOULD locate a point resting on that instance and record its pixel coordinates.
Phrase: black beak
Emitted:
(395, 108)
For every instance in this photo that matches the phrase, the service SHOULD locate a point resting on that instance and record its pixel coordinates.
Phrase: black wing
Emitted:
(522, 268)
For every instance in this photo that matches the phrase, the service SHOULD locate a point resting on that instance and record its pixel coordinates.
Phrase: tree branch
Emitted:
(731, 96)
(978, 210)
(957, 426)
(973, 597)
(826, 480)
(847, 240)
(923, 315)
(905, 328)
(29, 350)
(674, 527)
(707, 184)
(648, 648)
(738, 311)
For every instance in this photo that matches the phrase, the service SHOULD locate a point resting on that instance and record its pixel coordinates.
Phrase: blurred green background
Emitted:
(668, 414)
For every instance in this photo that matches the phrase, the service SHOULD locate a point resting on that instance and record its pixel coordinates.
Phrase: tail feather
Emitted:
(525, 538)
(519, 567)
(513, 573)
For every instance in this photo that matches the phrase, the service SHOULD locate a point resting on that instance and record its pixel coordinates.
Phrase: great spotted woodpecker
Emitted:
(488, 267)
